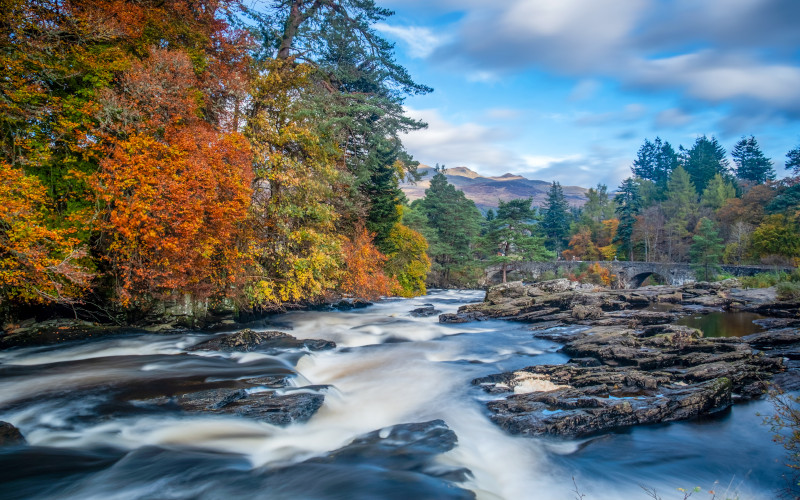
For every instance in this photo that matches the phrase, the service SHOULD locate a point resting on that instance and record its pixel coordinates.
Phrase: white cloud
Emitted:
(585, 89)
(464, 144)
(421, 41)
(672, 118)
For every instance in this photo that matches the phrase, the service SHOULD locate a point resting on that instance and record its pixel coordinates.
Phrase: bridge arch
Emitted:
(637, 280)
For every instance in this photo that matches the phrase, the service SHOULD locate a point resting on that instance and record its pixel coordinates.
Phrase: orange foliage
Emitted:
(36, 263)
(174, 209)
(363, 276)
(581, 246)
(596, 274)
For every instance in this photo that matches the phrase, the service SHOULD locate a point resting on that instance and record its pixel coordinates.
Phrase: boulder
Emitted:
(248, 340)
(10, 435)
(424, 311)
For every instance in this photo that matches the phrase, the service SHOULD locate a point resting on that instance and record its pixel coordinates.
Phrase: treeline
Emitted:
(684, 205)
(207, 148)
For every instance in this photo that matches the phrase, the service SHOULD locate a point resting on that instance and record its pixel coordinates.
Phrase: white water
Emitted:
(424, 373)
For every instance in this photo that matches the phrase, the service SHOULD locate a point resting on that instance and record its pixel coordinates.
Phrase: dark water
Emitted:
(91, 437)
(724, 324)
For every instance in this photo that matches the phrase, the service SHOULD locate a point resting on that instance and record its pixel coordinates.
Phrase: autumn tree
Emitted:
(363, 274)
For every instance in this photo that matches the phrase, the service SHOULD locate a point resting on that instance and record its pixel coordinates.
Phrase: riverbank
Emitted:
(629, 363)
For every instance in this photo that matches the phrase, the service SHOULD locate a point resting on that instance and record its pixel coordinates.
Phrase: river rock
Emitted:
(248, 340)
(10, 435)
(264, 405)
(618, 378)
(424, 311)
(461, 317)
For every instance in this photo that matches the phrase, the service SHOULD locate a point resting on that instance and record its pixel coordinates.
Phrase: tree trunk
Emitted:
(504, 272)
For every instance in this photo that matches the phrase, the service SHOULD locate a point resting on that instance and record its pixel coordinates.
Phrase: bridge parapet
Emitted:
(631, 274)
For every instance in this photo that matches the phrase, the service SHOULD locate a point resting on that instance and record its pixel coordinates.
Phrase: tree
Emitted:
(556, 218)
(793, 160)
(776, 235)
(717, 192)
(456, 223)
(704, 160)
(408, 261)
(680, 210)
(512, 236)
(751, 164)
(629, 205)
(649, 230)
(655, 161)
(363, 268)
(598, 206)
(706, 250)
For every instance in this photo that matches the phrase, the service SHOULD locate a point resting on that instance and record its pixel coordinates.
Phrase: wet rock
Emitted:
(462, 317)
(54, 331)
(266, 406)
(629, 377)
(10, 435)
(248, 340)
(424, 311)
(349, 304)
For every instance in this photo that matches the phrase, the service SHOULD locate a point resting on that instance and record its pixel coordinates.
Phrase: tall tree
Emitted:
(704, 160)
(793, 160)
(513, 236)
(751, 164)
(680, 209)
(706, 251)
(629, 204)
(655, 161)
(556, 218)
(456, 222)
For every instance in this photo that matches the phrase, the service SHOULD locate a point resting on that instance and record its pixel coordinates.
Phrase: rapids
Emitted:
(90, 437)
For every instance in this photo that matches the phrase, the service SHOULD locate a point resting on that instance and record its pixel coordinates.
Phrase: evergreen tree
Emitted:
(717, 193)
(512, 236)
(704, 160)
(598, 206)
(706, 251)
(556, 219)
(490, 216)
(751, 164)
(383, 193)
(793, 160)
(456, 222)
(680, 209)
(655, 161)
(629, 204)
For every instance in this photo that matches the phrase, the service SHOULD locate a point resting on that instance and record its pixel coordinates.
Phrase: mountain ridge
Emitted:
(487, 191)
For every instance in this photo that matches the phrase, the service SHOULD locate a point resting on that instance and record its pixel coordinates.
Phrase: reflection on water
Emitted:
(724, 324)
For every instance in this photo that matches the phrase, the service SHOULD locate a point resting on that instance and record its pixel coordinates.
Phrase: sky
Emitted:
(568, 90)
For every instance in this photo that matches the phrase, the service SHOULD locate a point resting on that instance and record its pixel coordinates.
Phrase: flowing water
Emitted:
(81, 409)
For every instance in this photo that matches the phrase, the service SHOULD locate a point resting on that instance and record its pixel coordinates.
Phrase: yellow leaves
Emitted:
(36, 263)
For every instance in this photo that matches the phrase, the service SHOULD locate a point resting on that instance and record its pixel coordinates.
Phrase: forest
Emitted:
(252, 154)
(211, 149)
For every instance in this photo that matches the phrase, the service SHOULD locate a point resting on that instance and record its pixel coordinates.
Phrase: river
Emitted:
(90, 438)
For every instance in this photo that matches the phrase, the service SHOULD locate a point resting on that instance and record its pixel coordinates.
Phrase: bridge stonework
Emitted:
(629, 274)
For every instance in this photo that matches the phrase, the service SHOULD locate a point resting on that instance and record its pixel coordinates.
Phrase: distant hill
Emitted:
(486, 191)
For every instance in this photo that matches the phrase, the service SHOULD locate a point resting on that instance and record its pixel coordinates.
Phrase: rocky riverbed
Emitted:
(630, 364)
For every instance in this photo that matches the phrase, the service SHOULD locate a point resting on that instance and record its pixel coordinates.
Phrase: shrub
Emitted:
(788, 290)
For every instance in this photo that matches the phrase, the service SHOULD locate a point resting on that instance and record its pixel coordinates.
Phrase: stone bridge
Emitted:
(630, 274)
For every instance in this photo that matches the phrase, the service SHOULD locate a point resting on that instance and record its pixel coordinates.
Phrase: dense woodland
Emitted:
(250, 153)
(217, 149)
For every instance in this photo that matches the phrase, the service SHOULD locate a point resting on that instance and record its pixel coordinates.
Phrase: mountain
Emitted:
(486, 191)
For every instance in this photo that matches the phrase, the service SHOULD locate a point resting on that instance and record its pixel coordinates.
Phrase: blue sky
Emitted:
(568, 90)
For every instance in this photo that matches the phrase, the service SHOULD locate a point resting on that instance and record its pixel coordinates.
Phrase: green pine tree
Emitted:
(704, 160)
(513, 236)
(751, 164)
(629, 204)
(706, 251)
(556, 218)
(718, 191)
